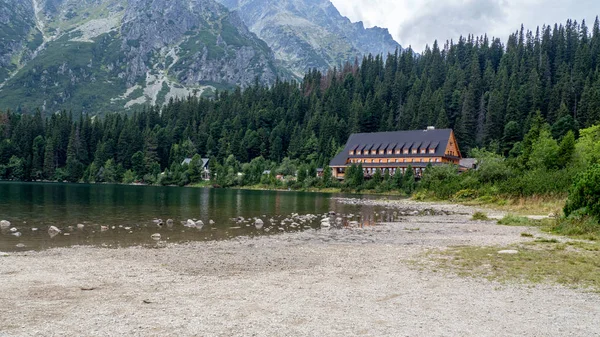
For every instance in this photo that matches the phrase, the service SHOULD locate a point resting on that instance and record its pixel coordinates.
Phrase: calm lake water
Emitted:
(120, 215)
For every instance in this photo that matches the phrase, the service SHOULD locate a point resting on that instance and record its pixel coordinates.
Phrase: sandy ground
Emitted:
(336, 282)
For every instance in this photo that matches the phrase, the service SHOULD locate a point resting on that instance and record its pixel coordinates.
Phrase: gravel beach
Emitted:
(332, 282)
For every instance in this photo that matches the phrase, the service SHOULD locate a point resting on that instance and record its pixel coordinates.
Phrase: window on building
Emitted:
(422, 151)
(390, 151)
(406, 151)
(414, 151)
(431, 151)
(351, 153)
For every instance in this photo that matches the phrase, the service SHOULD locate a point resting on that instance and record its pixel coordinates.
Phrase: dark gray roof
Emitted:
(403, 139)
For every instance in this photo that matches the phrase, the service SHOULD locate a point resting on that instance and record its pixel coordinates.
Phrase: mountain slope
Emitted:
(114, 54)
(308, 34)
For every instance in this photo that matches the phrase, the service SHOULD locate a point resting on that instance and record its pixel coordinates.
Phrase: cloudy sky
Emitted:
(420, 22)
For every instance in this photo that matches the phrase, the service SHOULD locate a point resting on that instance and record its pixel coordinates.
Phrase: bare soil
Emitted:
(373, 281)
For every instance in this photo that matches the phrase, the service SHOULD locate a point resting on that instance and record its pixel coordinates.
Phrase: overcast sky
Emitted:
(420, 22)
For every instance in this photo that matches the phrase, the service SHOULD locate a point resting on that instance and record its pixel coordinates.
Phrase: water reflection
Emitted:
(117, 215)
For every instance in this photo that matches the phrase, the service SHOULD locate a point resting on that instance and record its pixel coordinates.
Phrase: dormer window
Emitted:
(431, 151)
(405, 151)
(390, 151)
(414, 151)
(351, 153)
(422, 151)
(381, 151)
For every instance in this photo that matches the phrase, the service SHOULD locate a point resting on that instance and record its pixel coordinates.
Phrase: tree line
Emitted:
(491, 93)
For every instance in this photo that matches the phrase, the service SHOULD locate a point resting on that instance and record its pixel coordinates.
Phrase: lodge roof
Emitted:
(395, 141)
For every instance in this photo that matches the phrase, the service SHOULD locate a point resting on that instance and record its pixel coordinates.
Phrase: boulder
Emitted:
(53, 231)
(80, 226)
(17, 234)
(170, 222)
(14, 229)
(199, 224)
(4, 224)
(155, 236)
(211, 222)
(190, 223)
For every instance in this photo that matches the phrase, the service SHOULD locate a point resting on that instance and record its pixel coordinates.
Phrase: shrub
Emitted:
(585, 193)
(465, 194)
(480, 216)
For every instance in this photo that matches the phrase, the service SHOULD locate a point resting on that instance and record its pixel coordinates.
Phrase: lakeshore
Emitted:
(373, 281)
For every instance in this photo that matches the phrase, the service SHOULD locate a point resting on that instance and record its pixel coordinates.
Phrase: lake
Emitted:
(123, 215)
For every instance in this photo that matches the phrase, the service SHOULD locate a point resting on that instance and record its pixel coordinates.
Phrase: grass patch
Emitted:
(479, 216)
(526, 235)
(578, 266)
(533, 205)
(515, 220)
(583, 227)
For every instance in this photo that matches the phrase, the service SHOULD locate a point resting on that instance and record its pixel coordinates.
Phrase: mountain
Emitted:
(307, 34)
(107, 55)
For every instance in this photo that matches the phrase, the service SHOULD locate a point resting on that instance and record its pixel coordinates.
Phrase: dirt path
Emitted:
(336, 282)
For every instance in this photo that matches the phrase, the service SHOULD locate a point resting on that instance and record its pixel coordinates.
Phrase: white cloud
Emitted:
(420, 22)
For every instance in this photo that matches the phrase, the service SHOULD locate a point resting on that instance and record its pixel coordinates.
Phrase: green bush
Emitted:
(585, 193)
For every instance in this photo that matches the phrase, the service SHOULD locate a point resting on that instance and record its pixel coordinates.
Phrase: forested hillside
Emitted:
(489, 92)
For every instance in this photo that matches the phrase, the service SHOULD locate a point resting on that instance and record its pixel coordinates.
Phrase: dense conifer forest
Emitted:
(492, 93)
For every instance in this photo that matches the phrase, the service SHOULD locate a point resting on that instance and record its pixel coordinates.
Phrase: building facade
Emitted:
(397, 150)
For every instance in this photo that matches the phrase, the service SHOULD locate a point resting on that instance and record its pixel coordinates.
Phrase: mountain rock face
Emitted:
(90, 55)
(307, 34)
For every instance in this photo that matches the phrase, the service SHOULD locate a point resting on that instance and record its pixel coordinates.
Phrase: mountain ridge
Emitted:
(306, 34)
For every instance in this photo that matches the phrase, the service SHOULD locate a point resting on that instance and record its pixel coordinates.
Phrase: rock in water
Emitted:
(155, 236)
(20, 245)
(4, 224)
(259, 223)
(210, 222)
(190, 223)
(53, 231)
(170, 222)
(80, 226)
(14, 229)
(17, 234)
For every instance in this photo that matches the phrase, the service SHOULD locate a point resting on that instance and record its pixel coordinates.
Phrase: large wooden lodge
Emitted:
(397, 150)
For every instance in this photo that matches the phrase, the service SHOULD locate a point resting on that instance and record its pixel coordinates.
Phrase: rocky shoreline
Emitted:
(370, 280)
